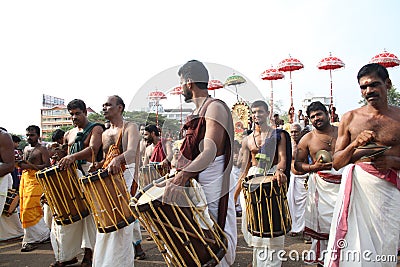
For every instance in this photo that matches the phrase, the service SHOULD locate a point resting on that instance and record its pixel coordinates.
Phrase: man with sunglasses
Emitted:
(367, 212)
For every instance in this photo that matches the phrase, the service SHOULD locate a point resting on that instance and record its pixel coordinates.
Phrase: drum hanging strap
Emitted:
(114, 150)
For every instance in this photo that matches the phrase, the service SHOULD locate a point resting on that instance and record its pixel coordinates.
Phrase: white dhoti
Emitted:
(297, 196)
(265, 250)
(211, 181)
(321, 199)
(366, 220)
(68, 241)
(10, 227)
(234, 180)
(115, 248)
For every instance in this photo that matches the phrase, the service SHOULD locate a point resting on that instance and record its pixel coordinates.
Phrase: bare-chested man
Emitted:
(10, 225)
(323, 182)
(280, 154)
(84, 142)
(162, 152)
(206, 152)
(367, 213)
(36, 157)
(115, 248)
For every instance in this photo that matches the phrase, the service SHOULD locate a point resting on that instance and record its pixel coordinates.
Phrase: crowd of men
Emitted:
(342, 182)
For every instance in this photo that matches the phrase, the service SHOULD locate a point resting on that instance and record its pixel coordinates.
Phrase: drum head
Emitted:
(48, 171)
(253, 182)
(153, 193)
(94, 176)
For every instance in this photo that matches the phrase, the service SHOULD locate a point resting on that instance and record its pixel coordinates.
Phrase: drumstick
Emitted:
(188, 233)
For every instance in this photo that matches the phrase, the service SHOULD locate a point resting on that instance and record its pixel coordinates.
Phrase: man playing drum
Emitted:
(84, 141)
(162, 152)
(206, 152)
(367, 213)
(323, 182)
(36, 157)
(264, 249)
(10, 226)
(115, 248)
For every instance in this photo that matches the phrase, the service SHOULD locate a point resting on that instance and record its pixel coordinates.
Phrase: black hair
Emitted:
(15, 138)
(57, 134)
(152, 129)
(197, 72)
(33, 128)
(76, 103)
(314, 106)
(373, 68)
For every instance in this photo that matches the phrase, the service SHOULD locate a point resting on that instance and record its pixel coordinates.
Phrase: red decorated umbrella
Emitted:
(178, 91)
(235, 80)
(290, 64)
(386, 59)
(330, 63)
(157, 96)
(214, 85)
(272, 75)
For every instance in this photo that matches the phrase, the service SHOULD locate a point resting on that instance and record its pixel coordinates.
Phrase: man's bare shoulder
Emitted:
(354, 114)
(306, 139)
(395, 111)
(130, 126)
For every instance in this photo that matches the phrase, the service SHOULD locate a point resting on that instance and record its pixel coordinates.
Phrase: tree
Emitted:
(96, 117)
(393, 98)
(142, 117)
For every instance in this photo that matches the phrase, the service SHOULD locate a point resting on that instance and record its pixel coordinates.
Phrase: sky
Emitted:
(92, 49)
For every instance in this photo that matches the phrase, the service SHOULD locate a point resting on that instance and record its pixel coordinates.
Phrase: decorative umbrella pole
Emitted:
(214, 85)
(157, 96)
(386, 59)
(178, 91)
(235, 80)
(272, 75)
(290, 64)
(330, 63)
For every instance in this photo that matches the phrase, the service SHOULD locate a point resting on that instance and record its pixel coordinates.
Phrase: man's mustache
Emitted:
(373, 94)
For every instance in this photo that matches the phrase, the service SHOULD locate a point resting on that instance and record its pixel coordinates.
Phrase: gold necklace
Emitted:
(329, 143)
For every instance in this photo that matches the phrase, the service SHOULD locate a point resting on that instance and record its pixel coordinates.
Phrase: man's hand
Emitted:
(280, 176)
(174, 188)
(320, 165)
(66, 162)
(94, 166)
(114, 167)
(165, 163)
(364, 138)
